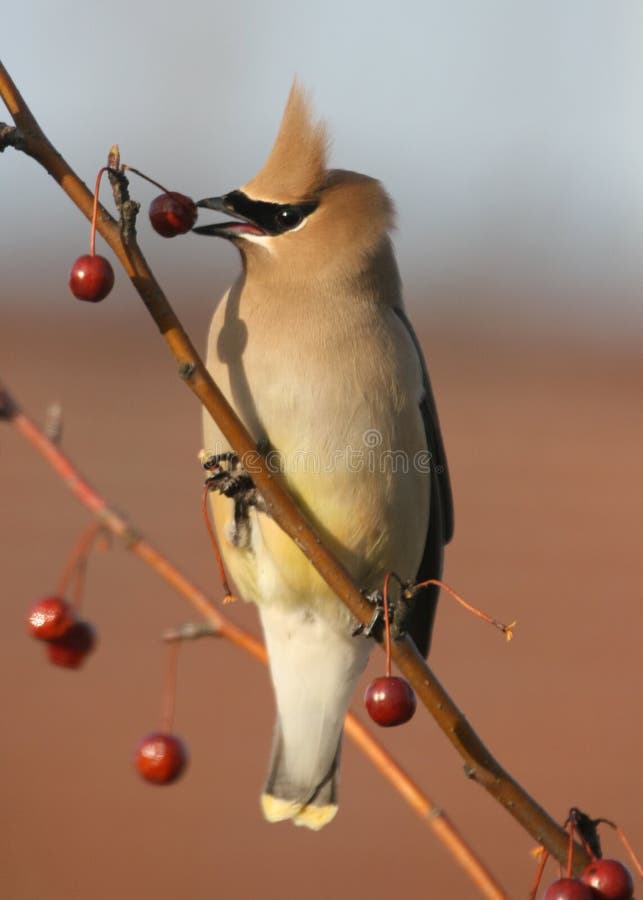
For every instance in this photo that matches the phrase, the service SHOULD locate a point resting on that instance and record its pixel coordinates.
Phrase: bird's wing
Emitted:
(440, 525)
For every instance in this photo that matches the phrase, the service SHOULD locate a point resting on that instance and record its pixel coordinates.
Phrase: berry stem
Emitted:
(630, 850)
(621, 834)
(228, 596)
(506, 629)
(544, 856)
(79, 574)
(570, 847)
(92, 233)
(169, 697)
(146, 177)
(387, 625)
(76, 565)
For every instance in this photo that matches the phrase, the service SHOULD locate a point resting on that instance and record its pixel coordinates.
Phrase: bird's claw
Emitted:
(226, 475)
(376, 600)
(397, 610)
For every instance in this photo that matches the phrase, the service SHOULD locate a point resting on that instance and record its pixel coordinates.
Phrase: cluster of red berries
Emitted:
(160, 757)
(390, 700)
(55, 621)
(69, 640)
(603, 879)
(92, 276)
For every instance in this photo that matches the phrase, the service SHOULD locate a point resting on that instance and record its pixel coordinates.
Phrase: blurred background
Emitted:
(511, 140)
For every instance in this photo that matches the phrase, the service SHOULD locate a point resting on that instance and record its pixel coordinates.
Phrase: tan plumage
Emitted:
(297, 162)
(313, 350)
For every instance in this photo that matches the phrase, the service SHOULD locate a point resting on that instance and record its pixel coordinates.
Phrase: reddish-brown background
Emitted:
(545, 442)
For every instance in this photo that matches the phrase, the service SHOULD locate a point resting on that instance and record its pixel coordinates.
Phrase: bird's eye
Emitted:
(287, 218)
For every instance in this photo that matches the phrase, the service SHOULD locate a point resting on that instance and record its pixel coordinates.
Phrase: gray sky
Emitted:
(509, 134)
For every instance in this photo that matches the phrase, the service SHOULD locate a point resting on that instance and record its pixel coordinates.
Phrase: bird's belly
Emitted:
(353, 456)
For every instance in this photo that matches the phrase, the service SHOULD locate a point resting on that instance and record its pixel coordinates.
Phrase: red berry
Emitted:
(50, 618)
(569, 889)
(172, 214)
(610, 879)
(71, 649)
(389, 700)
(91, 278)
(161, 758)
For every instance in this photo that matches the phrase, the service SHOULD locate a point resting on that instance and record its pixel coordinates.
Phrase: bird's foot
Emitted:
(398, 612)
(374, 627)
(227, 476)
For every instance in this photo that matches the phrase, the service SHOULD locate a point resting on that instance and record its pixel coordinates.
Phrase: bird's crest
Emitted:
(297, 162)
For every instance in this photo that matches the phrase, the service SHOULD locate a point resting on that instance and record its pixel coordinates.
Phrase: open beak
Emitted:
(242, 226)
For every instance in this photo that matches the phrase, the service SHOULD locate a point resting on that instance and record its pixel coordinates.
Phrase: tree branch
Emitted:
(219, 625)
(480, 765)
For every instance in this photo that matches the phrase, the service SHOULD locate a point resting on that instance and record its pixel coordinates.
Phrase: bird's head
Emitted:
(298, 219)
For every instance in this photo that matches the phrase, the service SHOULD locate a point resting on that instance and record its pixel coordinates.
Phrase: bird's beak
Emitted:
(226, 229)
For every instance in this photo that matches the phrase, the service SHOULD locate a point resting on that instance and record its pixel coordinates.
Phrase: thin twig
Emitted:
(191, 631)
(218, 624)
(507, 630)
(480, 765)
(76, 565)
(387, 624)
(169, 693)
(570, 849)
(623, 838)
(227, 597)
(544, 856)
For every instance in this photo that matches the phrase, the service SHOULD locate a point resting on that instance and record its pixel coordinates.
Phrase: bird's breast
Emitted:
(335, 392)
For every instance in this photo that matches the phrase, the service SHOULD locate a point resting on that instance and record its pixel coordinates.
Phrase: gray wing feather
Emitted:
(440, 524)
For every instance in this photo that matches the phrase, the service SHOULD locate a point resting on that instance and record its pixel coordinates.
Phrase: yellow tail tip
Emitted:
(314, 817)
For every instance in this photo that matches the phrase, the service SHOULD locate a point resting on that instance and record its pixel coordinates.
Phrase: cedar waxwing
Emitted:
(312, 348)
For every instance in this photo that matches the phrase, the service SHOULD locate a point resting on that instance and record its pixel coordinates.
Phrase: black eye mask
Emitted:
(255, 216)
(273, 218)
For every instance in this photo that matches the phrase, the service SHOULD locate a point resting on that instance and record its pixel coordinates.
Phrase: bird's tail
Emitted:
(314, 667)
(285, 799)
